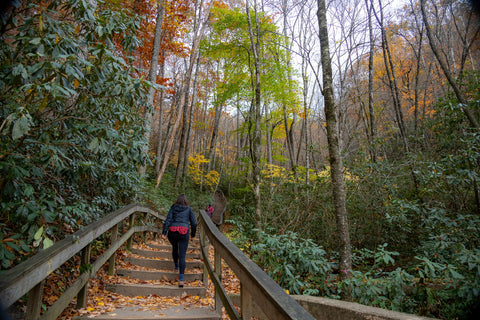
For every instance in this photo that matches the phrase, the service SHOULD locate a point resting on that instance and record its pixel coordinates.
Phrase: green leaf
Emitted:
(455, 274)
(20, 127)
(14, 246)
(9, 255)
(47, 243)
(28, 190)
(38, 234)
(25, 247)
(35, 40)
(19, 69)
(93, 146)
(6, 263)
(49, 216)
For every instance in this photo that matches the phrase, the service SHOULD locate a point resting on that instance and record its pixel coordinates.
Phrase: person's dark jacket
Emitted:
(180, 216)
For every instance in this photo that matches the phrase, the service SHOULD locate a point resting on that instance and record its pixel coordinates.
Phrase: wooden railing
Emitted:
(258, 290)
(29, 276)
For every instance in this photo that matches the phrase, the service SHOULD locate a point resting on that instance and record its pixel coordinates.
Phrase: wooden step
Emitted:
(157, 275)
(160, 264)
(168, 247)
(161, 254)
(170, 313)
(133, 290)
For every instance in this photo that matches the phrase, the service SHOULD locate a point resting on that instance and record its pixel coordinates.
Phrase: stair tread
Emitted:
(171, 313)
(152, 285)
(134, 290)
(160, 264)
(152, 262)
(168, 247)
(135, 256)
(156, 275)
(161, 254)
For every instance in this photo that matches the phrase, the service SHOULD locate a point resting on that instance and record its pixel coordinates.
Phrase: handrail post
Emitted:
(204, 244)
(218, 271)
(84, 267)
(131, 221)
(245, 302)
(248, 307)
(145, 222)
(34, 303)
(111, 261)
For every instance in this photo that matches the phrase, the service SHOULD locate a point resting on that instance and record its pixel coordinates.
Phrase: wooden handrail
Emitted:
(21, 279)
(269, 296)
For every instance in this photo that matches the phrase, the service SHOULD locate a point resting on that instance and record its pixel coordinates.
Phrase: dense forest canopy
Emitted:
(345, 134)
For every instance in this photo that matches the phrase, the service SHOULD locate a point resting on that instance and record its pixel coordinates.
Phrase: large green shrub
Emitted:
(71, 131)
(298, 265)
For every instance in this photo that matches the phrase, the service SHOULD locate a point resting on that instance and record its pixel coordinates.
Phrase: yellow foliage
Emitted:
(286, 176)
(198, 175)
(212, 178)
(274, 171)
(346, 174)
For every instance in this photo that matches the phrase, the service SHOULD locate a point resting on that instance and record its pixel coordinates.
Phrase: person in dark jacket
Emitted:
(179, 218)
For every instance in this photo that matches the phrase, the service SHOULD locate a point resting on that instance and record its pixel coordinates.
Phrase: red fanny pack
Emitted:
(181, 230)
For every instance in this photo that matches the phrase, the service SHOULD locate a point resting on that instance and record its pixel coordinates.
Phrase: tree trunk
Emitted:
(169, 129)
(389, 68)
(196, 43)
(446, 71)
(255, 140)
(268, 136)
(160, 120)
(190, 123)
(188, 112)
(152, 76)
(371, 123)
(169, 141)
(289, 137)
(336, 165)
(306, 123)
(213, 139)
(181, 148)
(418, 57)
(290, 132)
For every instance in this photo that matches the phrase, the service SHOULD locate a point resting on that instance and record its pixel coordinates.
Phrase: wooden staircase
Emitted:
(147, 272)
(231, 274)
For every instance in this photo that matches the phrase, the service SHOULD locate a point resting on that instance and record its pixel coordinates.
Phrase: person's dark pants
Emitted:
(179, 249)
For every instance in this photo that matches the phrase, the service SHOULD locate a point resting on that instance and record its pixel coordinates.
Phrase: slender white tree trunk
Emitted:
(336, 164)
(152, 76)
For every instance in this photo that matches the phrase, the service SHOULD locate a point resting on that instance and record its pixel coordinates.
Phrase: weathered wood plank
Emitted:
(220, 290)
(85, 264)
(131, 221)
(217, 272)
(157, 275)
(162, 254)
(135, 289)
(111, 260)
(204, 247)
(34, 303)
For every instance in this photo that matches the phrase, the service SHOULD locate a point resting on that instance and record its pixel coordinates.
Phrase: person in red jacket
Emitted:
(209, 210)
(180, 217)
